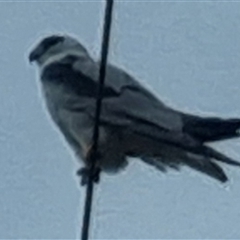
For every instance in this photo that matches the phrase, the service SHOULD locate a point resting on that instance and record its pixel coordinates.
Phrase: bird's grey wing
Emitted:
(128, 105)
(131, 103)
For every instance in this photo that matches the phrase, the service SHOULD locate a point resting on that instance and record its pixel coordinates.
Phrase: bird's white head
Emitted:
(54, 48)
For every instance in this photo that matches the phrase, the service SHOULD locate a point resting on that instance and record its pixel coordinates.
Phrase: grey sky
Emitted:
(185, 52)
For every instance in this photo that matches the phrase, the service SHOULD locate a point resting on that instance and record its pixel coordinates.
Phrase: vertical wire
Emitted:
(102, 73)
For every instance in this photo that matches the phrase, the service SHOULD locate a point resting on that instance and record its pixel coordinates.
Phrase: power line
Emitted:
(102, 73)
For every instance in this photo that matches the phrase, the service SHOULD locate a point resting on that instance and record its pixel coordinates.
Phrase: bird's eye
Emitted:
(51, 41)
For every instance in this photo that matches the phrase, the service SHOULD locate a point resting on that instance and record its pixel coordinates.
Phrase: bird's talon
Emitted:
(84, 173)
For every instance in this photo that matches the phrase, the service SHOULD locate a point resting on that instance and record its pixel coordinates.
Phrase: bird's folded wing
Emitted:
(128, 105)
(131, 103)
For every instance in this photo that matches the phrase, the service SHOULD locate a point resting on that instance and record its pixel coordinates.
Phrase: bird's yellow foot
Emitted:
(87, 175)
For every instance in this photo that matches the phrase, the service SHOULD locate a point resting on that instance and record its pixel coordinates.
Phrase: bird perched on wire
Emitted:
(133, 122)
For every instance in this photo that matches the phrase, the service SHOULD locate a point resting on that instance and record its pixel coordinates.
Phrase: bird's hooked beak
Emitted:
(32, 57)
(35, 54)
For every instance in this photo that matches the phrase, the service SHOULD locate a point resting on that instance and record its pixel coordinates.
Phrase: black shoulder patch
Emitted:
(62, 73)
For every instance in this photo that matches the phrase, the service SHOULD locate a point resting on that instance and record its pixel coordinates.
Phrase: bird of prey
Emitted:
(133, 122)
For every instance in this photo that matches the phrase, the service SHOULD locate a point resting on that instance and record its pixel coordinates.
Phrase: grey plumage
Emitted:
(133, 121)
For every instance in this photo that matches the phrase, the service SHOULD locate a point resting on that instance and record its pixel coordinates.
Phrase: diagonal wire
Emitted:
(102, 73)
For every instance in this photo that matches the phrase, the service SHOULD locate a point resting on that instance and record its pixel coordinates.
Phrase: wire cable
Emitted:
(102, 73)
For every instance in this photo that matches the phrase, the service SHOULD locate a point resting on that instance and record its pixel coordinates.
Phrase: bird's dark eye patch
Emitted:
(51, 41)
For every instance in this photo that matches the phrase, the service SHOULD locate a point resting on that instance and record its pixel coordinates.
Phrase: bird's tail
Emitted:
(200, 163)
(203, 160)
(206, 166)
(214, 154)
(211, 129)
